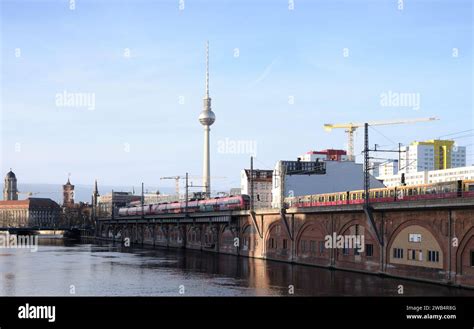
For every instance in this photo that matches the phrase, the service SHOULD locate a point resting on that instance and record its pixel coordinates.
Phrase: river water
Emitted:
(59, 268)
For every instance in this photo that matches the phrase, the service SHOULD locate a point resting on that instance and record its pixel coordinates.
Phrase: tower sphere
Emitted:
(207, 117)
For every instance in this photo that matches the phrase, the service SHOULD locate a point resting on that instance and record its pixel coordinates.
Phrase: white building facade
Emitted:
(295, 178)
(430, 176)
(262, 187)
(431, 155)
(387, 168)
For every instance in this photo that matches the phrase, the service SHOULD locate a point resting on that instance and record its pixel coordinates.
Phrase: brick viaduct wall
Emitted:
(300, 238)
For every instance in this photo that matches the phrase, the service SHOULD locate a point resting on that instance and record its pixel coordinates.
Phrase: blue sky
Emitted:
(283, 54)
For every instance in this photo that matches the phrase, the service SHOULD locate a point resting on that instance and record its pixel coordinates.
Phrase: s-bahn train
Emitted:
(444, 190)
(238, 202)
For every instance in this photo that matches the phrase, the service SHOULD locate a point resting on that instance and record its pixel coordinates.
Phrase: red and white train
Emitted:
(445, 190)
(238, 202)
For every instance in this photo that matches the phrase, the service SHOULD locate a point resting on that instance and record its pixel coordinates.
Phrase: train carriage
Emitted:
(468, 188)
(444, 190)
(239, 202)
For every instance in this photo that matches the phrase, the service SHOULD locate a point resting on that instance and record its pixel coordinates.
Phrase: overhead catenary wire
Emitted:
(456, 133)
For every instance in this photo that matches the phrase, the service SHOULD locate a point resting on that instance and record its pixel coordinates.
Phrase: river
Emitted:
(59, 268)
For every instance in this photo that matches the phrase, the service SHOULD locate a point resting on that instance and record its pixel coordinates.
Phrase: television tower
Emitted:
(207, 118)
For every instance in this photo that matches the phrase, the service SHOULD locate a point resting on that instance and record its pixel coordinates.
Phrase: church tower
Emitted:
(95, 194)
(10, 191)
(95, 201)
(68, 194)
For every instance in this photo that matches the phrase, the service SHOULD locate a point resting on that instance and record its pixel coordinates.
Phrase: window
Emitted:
(397, 253)
(272, 243)
(303, 245)
(433, 256)
(472, 258)
(321, 247)
(345, 250)
(416, 255)
(313, 246)
(369, 250)
(414, 237)
(285, 243)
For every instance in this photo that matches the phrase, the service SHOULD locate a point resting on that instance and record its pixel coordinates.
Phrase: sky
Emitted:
(279, 70)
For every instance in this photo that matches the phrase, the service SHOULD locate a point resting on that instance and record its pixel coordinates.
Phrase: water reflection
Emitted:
(60, 267)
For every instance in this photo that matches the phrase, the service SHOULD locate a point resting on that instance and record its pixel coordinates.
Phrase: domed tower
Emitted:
(68, 194)
(10, 191)
(207, 118)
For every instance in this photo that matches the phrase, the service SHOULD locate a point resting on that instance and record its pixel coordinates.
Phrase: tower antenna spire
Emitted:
(207, 68)
(207, 118)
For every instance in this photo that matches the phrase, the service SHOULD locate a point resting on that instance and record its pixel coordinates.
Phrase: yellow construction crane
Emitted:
(177, 178)
(28, 193)
(352, 127)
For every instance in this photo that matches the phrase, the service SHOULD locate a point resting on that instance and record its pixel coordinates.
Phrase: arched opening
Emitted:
(415, 245)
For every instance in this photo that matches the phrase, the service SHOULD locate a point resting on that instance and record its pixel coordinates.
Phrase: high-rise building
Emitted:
(207, 118)
(10, 190)
(431, 155)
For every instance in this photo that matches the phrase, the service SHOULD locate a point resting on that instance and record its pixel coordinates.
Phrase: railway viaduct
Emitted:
(430, 240)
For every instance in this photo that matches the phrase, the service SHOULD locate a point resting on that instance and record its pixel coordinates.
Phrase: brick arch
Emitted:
(159, 232)
(249, 226)
(462, 247)
(127, 232)
(106, 229)
(148, 233)
(209, 236)
(190, 230)
(116, 230)
(250, 239)
(174, 234)
(137, 233)
(226, 242)
(278, 251)
(358, 221)
(368, 237)
(271, 227)
(415, 222)
(225, 228)
(320, 228)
